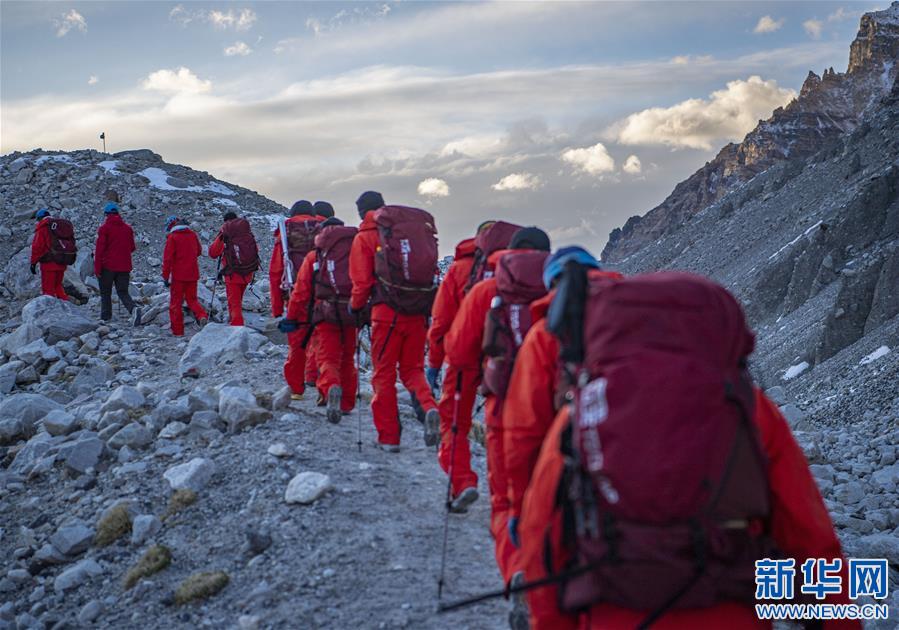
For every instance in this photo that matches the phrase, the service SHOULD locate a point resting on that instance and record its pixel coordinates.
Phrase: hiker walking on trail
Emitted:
(290, 248)
(487, 333)
(393, 264)
(667, 474)
(112, 262)
(470, 266)
(53, 248)
(180, 272)
(318, 306)
(236, 246)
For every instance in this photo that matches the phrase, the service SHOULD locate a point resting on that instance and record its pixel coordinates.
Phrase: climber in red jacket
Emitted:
(112, 263)
(51, 272)
(180, 272)
(236, 245)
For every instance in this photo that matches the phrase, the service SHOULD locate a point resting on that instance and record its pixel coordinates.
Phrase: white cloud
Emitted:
(433, 187)
(180, 81)
(767, 24)
(728, 114)
(93, 80)
(238, 49)
(842, 14)
(593, 160)
(814, 28)
(69, 21)
(632, 165)
(518, 181)
(241, 20)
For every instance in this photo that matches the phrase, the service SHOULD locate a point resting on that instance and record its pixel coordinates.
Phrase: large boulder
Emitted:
(8, 374)
(192, 475)
(238, 407)
(58, 320)
(21, 336)
(123, 397)
(217, 344)
(28, 409)
(18, 277)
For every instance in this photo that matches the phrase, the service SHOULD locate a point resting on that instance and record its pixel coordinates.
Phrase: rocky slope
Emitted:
(826, 109)
(810, 243)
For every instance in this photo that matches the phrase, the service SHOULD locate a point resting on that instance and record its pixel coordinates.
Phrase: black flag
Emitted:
(103, 135)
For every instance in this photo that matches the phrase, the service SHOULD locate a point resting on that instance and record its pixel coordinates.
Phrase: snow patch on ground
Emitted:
(226, 202)
(53, 158)
(159, 179)
(882, 351)
(110, 166)
(793, 242)
(795, 370)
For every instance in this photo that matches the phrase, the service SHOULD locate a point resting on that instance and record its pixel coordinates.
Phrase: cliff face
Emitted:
(827, 108)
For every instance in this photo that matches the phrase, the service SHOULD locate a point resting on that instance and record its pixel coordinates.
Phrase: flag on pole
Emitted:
(102, 135)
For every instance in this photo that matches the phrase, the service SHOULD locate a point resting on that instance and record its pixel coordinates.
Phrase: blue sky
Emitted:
(573, 116)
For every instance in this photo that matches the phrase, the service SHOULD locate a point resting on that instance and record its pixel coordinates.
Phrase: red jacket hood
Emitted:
(493, 259)
(465, 248)
(368, 223)
(114, 218)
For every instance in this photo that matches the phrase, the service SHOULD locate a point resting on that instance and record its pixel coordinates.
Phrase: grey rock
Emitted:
(173, 430)
(306, 487)
(171, 411)
(193, 475)
(34, 352)
(11, 429)
(72, 538)
(144, 527)
(887, 477)
(77, 575)
(849, 493)
(90, 612)
(202, 399)
(8, 373)
(28, 409)
(84, 454)
(238, 408)
(793, 414)
(29, 455)
(95, 373)
(281, 399)
(48, 554)
(123, 397)
(60, 422)
(133, 435)
(207, 420)
(880, 546)
(21, 336)
(58, 319)
(217, 344)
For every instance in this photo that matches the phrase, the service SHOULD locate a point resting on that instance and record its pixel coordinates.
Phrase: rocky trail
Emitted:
(365, 552)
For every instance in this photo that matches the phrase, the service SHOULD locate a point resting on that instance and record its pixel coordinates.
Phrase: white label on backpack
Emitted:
(406, 249)
(331, 266)
(594, 410)
(515, 323)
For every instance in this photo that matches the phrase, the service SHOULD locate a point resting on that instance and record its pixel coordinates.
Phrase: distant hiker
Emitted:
(236, 246)
(290, 248)
(393, 263)
(180, 272)
(318, 304)
(469, 266)
(490, 327)
(53, 247)
(112, 262)
(666, 463)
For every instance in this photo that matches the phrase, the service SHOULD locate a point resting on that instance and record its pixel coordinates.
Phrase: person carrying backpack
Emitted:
(53, 248)
(112, 263)
(393, 263)
(301, 227)
(236, 246)
(318, 306)
(180, 272)
(486, 334)
(666, 474)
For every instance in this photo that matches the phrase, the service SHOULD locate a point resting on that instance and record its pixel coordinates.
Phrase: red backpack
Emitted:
(331, 284)
(241, 253)
(406, 259)
(519, 281)
(494, 238)
(665, 496)
(300, 240)
(63, 249)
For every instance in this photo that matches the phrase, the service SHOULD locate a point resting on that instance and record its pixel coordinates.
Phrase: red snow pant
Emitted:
(457, 464)
(274, 283)
(500, 505)
(235, 286)
(183, 291)
(336, 363)
(301, 366)
(397, 341)
(51, 282)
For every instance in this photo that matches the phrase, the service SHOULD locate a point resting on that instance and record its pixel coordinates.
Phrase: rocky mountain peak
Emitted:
(877, 42)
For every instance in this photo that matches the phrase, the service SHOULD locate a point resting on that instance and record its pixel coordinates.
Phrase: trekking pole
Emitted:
(454, 429)
(215, 284)
(359, 389)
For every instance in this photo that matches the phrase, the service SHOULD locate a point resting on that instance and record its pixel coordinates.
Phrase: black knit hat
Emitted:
(301, 207)
(369, 200)
(530, 238)
(330, 221)
(323, 209)
(229, 216)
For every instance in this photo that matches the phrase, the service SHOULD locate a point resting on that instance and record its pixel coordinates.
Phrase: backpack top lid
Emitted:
(328, 236)
(236, 227)
(519, 276)
(388, 216)
(666, 311)
(496, 237)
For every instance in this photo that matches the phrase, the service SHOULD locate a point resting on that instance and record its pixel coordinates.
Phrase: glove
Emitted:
(513, 531)
(166, 283)
(356, 315)
(33, 269)
(288, 325)
(433, 376)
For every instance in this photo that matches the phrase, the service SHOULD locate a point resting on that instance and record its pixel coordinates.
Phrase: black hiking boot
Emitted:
(136, 315)
(459, 505)
(432, 427)
(333, 413)
(519, 616)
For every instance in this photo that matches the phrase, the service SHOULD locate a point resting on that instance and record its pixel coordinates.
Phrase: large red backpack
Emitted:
(63, 249)
(406, 259)
(331, 284)
(241, 253)
(519, 281)
(300, 240)
(665, 494)
(492, 239)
